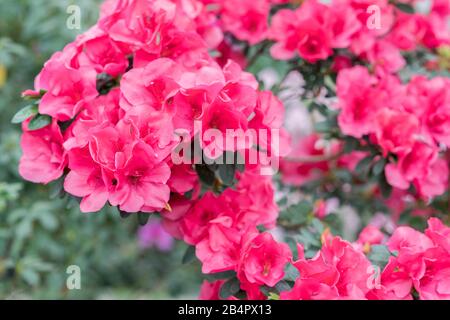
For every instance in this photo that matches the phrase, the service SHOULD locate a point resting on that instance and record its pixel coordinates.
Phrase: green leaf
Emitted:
(24, 228)
(30, 276)
(48, 221)
(39, 121)
(220, 275)
(407, 8)
(25, 113)
(124, 214)
(291, 273)
(297, 213)
(350, 144)
(56, 188)
(362, 168)
(379, 167)
(143, 218)
(282, 286)
(317, 225)
(385, 187)
(343, 175)
(229, 288)
(273, 296)
(379, 255)
(323, 127)
(205, 174)
(189, 255)
(226, 173)
(328, 126)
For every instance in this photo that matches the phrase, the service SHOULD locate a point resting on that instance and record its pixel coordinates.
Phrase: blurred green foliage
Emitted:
(40, 237)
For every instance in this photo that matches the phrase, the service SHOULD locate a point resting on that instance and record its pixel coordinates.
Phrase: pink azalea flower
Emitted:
(396, 131)
(43, 159)
(262, 260)
(370, 235)
(303, 31)
(338, 269)
(219, 250)
(252, 200)
(359, 101)
(246, 20)
(385, 57)
(141, 180)
(88, 181)
(422, 167)
(406, 32)
(196, 222)
(438, 233)
(421, 262)
(68, 87)
(101, 53)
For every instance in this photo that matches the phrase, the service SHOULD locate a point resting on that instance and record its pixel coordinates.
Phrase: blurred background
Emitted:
(41, 235)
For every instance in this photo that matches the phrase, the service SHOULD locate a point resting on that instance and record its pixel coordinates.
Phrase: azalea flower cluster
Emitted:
(420, 262)
(410, 123)
(419, 265)
(120, 95)
(223, 230)
(407, 121)
(315, 30)
(113, 106)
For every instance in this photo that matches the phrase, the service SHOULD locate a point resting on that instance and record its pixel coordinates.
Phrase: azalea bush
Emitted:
(299, 148)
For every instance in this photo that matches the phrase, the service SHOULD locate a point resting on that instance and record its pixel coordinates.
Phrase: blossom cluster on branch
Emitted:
(109, 111)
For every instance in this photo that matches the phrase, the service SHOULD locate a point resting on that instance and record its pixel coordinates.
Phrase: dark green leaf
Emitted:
(350, 144)
(241, 295)
(57, 188)
(143, 218)
(39, 121)
(220, 275)
(25, 113)
(226, 173)
(282, 286)
(290, 273)
(379, 167)
(266, 290)
(385, 187)
(362, 168)
(189, 255)
(229, 288)
(407, 8)
(124, 214)
(205, 174)
(343, 175)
